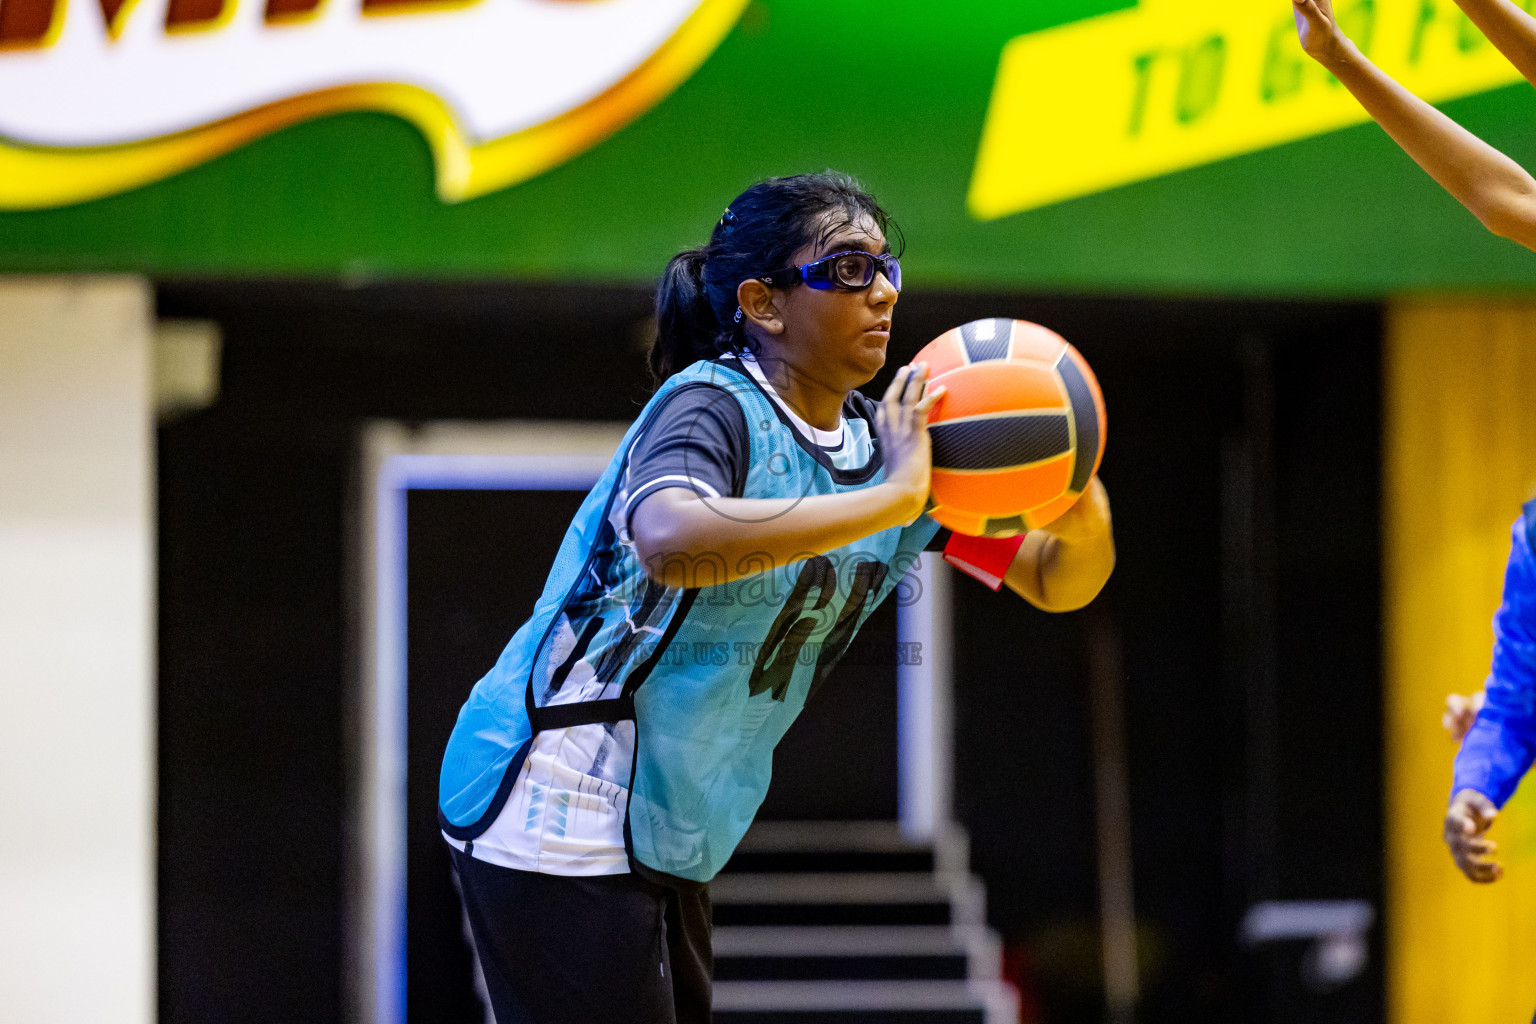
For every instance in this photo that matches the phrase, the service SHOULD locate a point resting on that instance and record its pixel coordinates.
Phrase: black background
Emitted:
(1243, 464)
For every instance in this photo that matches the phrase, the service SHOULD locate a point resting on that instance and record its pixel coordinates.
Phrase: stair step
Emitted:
(962, 1016)
(855, 846)
(834, 914)
(853, 923)
(843, 967)
(834, 887)
(865, 861)
(868, 836)
(850, 898)
(868, 952)
(865, 1002)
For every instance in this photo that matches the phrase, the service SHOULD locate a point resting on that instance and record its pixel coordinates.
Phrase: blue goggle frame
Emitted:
(851, 270)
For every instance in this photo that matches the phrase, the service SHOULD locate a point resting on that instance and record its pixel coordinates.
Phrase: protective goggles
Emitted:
(849, 271)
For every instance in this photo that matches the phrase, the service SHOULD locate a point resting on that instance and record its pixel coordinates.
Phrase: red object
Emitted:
(985, 558)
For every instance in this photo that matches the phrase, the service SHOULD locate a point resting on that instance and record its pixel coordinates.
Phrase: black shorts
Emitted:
(557, 949)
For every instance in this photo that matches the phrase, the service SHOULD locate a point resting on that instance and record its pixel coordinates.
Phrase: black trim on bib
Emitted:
(577, 653)
(841, 476)
(642, 671)
(582, 712)
(508, 779)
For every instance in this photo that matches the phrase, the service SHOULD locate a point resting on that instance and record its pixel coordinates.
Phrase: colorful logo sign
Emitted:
(1172, 84)
(101, 96)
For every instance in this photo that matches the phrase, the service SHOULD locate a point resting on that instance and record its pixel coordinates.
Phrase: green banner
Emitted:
(1053, 145)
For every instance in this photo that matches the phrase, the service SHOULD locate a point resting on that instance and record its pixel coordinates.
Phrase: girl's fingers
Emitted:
(917, 382)
(898, 385)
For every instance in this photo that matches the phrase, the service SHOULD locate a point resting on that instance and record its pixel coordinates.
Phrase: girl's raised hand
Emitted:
(901, 421)
(1319, 30)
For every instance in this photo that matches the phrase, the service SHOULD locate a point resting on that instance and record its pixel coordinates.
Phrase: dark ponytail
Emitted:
(684, 317)
(759, 233)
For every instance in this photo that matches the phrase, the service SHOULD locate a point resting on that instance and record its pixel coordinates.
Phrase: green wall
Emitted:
(894, 92)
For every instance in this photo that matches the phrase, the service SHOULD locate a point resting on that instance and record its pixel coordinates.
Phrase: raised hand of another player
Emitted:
(1319, 30)
(1460, 712)
(901, 421)
(1467, 823)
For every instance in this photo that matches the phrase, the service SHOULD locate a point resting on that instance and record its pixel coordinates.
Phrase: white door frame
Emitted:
(538, 455)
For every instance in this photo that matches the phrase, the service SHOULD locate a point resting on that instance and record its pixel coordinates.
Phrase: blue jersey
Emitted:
(706, 680)
(1502, 742)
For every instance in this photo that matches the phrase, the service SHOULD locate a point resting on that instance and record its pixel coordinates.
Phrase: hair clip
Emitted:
(728, 217)
(738, 315)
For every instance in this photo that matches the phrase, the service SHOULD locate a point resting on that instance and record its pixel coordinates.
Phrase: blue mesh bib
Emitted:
(708, 678)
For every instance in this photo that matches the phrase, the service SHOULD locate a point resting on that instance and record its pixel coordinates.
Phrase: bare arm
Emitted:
(687, 541)
(1493, 187)
(1509, 28)
(1063, 566)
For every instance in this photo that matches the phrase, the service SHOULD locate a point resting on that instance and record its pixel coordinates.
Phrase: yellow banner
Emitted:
(1169, 85)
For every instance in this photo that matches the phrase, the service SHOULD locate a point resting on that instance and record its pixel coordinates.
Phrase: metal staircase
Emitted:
(849, 923)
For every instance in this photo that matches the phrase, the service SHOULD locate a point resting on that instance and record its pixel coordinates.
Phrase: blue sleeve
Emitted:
(1502, 743)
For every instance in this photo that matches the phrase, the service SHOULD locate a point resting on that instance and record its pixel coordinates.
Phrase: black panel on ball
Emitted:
(999, 442)
(981, 345)
(1085, 417)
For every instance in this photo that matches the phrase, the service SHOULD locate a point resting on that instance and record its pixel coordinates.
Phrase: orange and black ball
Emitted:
(1020, 431)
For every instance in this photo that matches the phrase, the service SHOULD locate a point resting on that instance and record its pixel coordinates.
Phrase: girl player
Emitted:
(751, 520)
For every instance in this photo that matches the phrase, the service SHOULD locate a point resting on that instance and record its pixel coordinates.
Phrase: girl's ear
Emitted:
(760, 306)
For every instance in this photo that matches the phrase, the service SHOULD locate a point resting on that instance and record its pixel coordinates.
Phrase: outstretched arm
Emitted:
(1062, 566)
(1497, 190)
(1509, 28)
